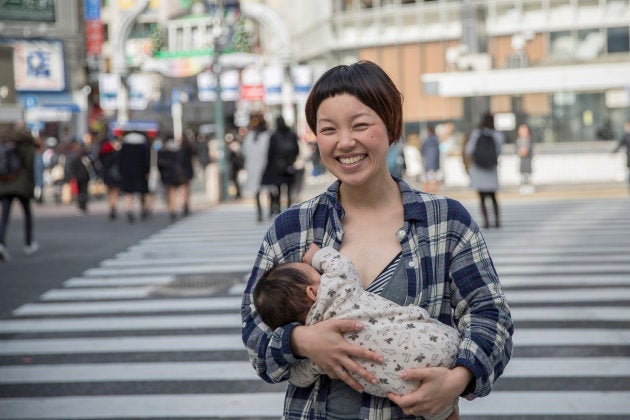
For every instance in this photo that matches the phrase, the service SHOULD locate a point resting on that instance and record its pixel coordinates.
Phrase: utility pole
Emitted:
(218, 34)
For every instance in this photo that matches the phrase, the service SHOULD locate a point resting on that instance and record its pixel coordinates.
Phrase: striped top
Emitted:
(384, 277)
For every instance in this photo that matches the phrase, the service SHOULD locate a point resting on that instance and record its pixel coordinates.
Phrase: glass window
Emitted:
(561, 45)
(619, 39)
(590, 44)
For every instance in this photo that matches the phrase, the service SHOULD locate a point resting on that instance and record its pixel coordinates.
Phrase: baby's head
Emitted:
(285, 294)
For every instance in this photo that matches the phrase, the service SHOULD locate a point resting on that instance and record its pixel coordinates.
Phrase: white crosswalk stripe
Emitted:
(155, 331)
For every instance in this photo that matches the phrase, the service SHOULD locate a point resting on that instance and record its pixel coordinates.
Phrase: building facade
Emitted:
(47, 62)
(562, 66)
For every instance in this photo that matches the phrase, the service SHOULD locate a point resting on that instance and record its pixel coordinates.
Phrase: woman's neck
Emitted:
(377, 194)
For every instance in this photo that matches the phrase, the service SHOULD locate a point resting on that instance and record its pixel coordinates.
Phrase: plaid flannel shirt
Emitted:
(450, 274)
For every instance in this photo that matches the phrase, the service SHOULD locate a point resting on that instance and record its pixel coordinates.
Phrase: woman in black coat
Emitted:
(134, 164)
(279, 173)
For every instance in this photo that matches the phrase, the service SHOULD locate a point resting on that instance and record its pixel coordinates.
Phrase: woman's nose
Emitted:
(345, 140)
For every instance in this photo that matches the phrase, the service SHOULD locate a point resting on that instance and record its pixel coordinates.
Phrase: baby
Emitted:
(406, 336)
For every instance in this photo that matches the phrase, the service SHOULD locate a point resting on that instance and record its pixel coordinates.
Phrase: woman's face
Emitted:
(523, 131)
(352, 139)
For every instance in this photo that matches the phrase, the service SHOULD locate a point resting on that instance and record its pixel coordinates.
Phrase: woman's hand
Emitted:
(323, 344)
(439, 387)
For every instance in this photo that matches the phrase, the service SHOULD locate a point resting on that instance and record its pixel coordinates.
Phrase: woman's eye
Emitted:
(361, 126)
(327, 130)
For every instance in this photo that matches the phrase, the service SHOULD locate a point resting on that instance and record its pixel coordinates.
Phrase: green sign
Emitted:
(28, 10)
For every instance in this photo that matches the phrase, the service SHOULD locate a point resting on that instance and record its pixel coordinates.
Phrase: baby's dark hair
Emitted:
(280, 296)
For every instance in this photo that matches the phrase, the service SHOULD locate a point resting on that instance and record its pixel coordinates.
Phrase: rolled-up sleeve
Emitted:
(482, 314)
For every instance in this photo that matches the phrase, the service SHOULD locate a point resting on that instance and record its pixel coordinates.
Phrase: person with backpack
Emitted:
(624, 142)
(279, 174)
(17, 181)
(483, 149)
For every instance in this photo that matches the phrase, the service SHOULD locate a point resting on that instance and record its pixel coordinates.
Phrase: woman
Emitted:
(255, 149)
(483, 170)
(134, 160)
(430, 151)
(19, 185)
(525, 151)
(410, 247)
(279, 173)
(173, 174)
(108, 158)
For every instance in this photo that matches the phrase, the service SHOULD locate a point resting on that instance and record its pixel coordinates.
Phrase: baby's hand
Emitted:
(308, 257)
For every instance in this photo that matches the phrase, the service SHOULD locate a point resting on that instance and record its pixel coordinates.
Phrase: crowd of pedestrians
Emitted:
(265, 161)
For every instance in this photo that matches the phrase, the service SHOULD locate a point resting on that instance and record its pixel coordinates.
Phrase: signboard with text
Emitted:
(39, 65)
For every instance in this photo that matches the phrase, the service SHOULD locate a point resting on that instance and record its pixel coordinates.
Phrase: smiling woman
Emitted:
(408, 246)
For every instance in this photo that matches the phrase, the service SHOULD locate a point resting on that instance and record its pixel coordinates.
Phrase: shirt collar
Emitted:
(413, 206)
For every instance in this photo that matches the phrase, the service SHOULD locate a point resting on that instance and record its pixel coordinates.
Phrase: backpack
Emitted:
(10, 161)
(485, 154)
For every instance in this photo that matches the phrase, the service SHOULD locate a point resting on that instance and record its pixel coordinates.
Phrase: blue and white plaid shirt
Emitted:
(449, 271)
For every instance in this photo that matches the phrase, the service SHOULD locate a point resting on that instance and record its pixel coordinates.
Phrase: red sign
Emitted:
(93, 37)
(252, 93)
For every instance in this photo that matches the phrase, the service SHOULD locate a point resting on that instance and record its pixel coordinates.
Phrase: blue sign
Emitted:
(35, 126)
(30, 101)
(92, 9)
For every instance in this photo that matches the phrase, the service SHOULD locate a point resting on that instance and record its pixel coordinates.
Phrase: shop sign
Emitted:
(39, 65)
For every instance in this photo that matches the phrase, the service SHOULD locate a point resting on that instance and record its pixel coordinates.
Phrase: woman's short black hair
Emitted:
(368, 83)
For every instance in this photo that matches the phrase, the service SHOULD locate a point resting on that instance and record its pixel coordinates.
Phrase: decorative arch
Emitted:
(270, 20)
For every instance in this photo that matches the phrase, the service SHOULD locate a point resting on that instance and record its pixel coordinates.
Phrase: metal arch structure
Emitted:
(270, 20)
(127, 20)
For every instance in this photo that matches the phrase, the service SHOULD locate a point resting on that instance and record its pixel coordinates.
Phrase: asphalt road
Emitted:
(69, 244)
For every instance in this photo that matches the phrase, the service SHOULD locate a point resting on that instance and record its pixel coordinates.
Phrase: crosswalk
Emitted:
(154, 333)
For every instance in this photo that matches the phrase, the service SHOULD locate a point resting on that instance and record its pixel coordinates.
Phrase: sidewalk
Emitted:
(507, 192)
(313, 187)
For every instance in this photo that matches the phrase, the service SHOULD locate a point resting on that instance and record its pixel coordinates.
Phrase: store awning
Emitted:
(575, 78)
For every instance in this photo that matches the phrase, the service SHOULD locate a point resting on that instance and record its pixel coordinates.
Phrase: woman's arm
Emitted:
(482, 317)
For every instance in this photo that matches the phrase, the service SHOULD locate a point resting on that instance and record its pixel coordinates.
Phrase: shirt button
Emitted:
(401, 234)
(412, 264)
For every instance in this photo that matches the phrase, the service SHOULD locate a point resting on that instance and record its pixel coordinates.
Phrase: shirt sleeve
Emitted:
(269, 350)
(334, 264)
(482, 314)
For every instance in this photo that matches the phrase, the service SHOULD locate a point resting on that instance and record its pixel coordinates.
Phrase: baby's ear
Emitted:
(311, 292)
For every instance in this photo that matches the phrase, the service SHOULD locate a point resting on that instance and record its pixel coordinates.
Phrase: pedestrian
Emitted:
(525, 151)
(413, 158)
(279, 174)
(443, 264)
(255, 149)
(17, 183)
(396, 159)
(134, 161)
(172, 174)
(483, 148)
(78, 169)
(419, 340)
(38, 167)
(236, 162)
(110, 173)
(430, 151)
(54, 163)
(625, 142)
(187, 152)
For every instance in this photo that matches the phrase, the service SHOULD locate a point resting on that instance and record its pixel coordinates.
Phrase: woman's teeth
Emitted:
(351, 160)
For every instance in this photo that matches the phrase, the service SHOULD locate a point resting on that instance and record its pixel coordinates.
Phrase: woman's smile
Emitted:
(351, 160)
